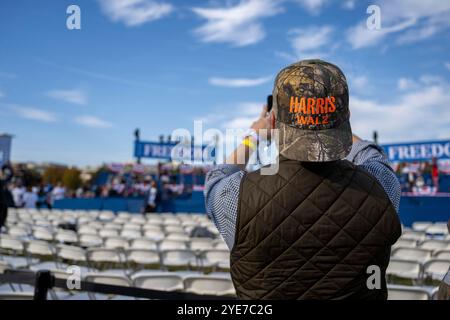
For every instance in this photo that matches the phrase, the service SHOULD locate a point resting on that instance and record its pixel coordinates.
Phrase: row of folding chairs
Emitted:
(430, 228)
(417, 272)
(70, 236)
(125, 238)
(400, 292)
(116, 256)
(199, 284)
(167, 282)
(421, 254)
(422, 235)
(88, 241)
(430, 244)
(166, 259)
(105, 215)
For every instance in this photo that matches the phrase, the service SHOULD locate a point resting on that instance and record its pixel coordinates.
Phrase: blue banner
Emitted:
(173, 151)
(418, 151)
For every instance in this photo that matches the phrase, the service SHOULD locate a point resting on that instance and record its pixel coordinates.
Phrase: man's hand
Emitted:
(262, 124)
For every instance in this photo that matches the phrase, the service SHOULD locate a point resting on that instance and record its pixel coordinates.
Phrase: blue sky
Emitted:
(75, 96)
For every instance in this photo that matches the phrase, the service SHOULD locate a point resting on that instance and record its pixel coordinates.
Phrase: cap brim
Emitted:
(315, 145)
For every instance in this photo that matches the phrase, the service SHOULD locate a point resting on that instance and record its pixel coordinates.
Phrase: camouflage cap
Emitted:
(310, 101)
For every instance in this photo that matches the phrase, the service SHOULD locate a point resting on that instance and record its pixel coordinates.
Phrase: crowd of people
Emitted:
(154, 189)
(420, 178)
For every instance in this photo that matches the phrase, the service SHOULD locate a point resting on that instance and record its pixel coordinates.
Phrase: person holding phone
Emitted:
(315, 228)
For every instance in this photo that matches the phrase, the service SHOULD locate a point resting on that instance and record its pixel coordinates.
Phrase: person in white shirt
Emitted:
(151, 200)
(58, 192)
(17, 193)
(30, 199)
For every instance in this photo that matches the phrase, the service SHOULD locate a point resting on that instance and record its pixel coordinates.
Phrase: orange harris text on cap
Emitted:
(312, 111)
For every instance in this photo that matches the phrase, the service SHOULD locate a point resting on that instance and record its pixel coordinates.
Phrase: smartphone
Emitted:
(269, 103)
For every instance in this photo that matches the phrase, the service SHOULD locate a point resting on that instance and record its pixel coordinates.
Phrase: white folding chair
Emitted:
(97, 225)
(43, 234)
(435, 245)
(106, 215)
(112, 279)
(104, 233)
(103, 258)
(407, 293)
(178, 258)
(16, 295)
(11, 245)
(116, 280)
(39, 249)
(216, 258)
(408, 269)
(421, 225)
(416, 254)
(143, 243)
(66, 236)
(173, 229)
(112, 226)
(151, 227)
(138, 220)
(124, 215)
(90, 240)
(132, 226)
(414, 235)
(177, 236)
(209, 285)
(442, 254)
(117, 243)
(71, 253)
(437, 229)
(405, 243)
(172, 245)
(19, 232)
(220, 244)
(201, 243)
(143, 257)
(436, 269)
(154, 235)
(85, 230)
(4, 266)
(131, 234)
(155, 220)
(161, 282)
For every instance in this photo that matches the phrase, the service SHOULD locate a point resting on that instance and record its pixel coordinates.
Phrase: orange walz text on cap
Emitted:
(312, 111)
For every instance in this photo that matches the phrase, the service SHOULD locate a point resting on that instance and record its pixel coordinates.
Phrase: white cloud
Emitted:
(33, 113)
(313, 6)
(406, 20)
(360, 36)
(420, 113)
(135, 12)
(72, 96)
(93, 122)
(238, 82)
(447, 65)
(247, 112)
(359, 83)
(406, 84)
(311, 42)
(238, 25)
(349, 4)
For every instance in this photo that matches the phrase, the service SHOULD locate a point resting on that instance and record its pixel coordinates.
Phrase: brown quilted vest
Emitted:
(310, 232)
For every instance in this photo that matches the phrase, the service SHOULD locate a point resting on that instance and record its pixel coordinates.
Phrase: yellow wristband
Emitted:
(249, 143)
